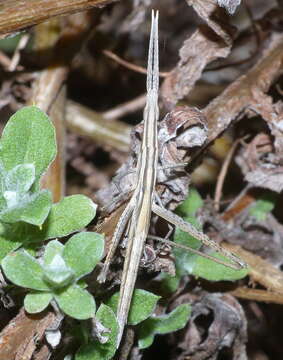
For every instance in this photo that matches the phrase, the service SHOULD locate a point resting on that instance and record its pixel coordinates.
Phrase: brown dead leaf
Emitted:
(211, 41)
(19, 339)
(261, 271)
(217, 323)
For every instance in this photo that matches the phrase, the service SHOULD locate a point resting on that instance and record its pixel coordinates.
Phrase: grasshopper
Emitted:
(135, 219)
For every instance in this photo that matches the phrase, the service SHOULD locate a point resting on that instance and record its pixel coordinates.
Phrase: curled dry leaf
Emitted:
(180, 133)
(260, 165)
(230, 105)
(217, 325)
(212, 41)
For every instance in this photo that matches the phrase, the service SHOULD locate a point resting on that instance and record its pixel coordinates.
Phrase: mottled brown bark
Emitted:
(16, 15)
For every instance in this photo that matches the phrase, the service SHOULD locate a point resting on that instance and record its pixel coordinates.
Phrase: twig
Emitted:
(129, 65)
(258, 295)
(87, 122)
(261, 271)
(47, 86)
(222, 175)
(5, 61)
(126, 108)
(50, 97)
(16, 15)
(16, 57)
(55, 177)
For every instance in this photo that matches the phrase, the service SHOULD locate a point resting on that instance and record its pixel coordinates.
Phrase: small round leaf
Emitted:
(32, 209)
(69, 215)
(163, 324)
(212, 271)
(23, 270)
(28, 138)
(37, 302)
(76, 302)
(83, 251)
(142, 305)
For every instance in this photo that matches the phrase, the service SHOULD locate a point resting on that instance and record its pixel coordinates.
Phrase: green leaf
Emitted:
(28, 138)
(37, 302)
(20, 234)
(83, 251)
(187, 210)
(210, 270)
(57, 274)
(142, 305)
(69, 215)
(189, 263)
(32, 209)
(169, 283)
(96, 350)
(9, 239)
(263, 206)
(3, 203)
(76, 302)
(23, 270)
(163, 324)
(191, 205)
(53, 248)
(20, 178)
(185, 259)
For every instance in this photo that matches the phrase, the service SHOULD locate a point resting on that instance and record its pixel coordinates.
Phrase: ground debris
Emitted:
(221, 78)
(218, 326)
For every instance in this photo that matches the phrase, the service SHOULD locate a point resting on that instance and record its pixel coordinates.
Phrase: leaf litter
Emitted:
(209, 92)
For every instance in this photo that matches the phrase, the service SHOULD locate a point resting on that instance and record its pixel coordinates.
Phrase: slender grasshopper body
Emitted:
(137, 214)
(146, 179)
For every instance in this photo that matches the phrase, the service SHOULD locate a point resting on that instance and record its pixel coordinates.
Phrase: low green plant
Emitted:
(163, 324)
(28, 218)
(142, 315)
(55, 276)
(52, 271)
(27, 215)
(191, 264)
(105, 348)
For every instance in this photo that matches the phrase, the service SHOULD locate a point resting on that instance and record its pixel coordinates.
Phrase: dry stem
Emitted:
(16, 15)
